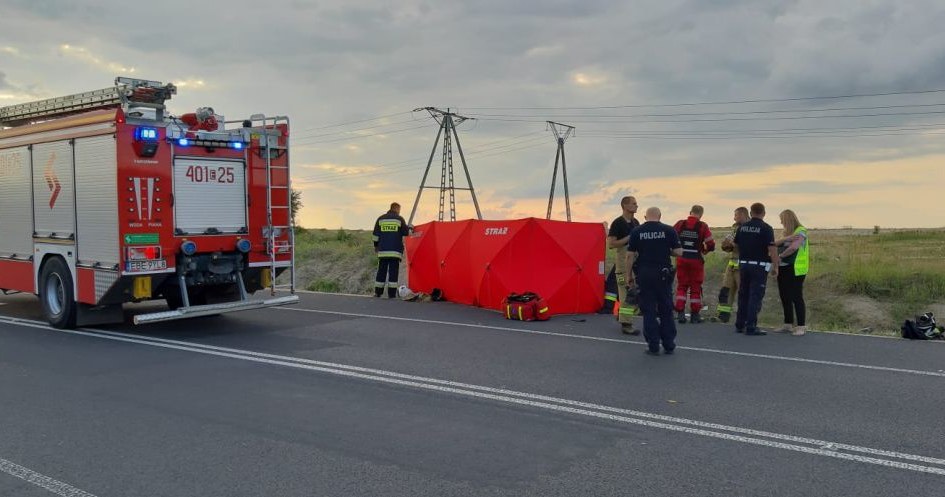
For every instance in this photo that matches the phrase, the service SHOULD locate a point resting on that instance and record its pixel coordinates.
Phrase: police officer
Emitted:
(758, 256)
(389, 232)
(649, 250)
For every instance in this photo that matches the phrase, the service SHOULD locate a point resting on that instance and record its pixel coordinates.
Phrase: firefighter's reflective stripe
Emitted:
(725, 308)
(375, 238)
(610, 296)
(389, 225)
(733, 264)
(627, 310)
(390, 253)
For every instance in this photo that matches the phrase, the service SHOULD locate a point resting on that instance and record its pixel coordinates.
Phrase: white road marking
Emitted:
(55, 486)
(835, 450)
(939, 374)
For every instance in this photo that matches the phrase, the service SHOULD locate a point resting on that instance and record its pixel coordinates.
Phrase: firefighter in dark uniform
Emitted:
(649, 250)
(389, 232)
(758, 257)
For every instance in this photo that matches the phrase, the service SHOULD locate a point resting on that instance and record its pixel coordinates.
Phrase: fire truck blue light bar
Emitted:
(146, 134)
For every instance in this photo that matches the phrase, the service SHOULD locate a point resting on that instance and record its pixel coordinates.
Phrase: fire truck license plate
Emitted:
(138, 266)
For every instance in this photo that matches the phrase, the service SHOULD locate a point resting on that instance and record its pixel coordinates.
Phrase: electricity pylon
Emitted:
(561, 132)
(448, 122)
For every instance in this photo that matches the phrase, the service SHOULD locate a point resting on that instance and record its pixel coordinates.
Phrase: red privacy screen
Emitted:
(481, 262)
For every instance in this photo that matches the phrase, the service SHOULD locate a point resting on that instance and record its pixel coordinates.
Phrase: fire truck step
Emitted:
(207, 310)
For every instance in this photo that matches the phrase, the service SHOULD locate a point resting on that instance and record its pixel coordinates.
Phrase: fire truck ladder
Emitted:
(126, 92)
(271, 147)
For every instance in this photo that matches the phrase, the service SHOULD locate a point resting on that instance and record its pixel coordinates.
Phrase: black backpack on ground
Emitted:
(923, 328)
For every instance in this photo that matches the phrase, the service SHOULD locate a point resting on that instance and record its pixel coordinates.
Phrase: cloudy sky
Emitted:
(678, 102)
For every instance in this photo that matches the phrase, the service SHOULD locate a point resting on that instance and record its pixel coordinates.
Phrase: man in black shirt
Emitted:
(617, 239)
(757, 257)
(650, 247)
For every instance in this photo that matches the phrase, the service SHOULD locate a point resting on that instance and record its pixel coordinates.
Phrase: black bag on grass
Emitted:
(923, 328)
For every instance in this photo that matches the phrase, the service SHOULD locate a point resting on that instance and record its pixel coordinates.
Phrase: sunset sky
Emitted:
(677, 102)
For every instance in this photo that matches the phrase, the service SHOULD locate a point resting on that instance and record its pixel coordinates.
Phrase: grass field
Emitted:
(859, 281)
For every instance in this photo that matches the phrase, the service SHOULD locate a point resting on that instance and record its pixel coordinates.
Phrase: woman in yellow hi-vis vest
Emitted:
(795, 262)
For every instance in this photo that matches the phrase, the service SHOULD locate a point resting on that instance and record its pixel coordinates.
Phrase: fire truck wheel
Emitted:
(56, 293)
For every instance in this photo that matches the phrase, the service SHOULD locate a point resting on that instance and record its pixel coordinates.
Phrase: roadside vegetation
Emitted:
(860, 281)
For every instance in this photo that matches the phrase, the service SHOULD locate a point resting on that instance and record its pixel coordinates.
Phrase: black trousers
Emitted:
(387, 272)
(791, 290)
(751, 293)
(656, 304)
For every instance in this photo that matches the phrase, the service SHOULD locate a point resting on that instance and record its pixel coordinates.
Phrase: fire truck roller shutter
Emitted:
(16, 220)
(209, 194)
(97, 201)
(53, 190)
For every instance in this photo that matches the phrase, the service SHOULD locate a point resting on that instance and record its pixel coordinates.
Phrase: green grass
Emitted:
(337, 261)
(858, 279)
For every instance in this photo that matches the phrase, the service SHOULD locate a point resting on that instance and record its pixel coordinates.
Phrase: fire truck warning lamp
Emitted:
(186, 142)
(146, 141)
(146, 134)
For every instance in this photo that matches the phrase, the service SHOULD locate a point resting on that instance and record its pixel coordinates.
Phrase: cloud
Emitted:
(190, 83)
(514, 65)
(84, 55)
(8, 50)
(588, 79)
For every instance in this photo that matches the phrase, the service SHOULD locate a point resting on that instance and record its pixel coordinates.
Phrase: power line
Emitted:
(721, 113)
(781, 118)
(718, 102)
(756, 137)
(822, 128)
(352, 131)
(320, 142)
(410, 163)
(356, 122)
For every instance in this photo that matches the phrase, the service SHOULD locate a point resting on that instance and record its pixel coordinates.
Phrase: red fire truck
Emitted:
(105, 198)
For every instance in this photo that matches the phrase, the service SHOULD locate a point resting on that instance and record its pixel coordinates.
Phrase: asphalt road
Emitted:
(359, 396)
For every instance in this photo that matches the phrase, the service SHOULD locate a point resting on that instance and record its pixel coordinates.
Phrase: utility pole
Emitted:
(561, 132)
(448, 122)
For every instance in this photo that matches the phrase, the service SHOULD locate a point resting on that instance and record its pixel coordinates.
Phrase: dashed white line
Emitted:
(55, 486)
(940, 374)
(849, 452)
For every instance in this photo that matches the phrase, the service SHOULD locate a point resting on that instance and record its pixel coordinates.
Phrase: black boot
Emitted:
(725, 316)
(391, 293)
(681, 318)
(695, 318)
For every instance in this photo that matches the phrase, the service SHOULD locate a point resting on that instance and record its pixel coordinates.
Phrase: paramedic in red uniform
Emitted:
(696, 241)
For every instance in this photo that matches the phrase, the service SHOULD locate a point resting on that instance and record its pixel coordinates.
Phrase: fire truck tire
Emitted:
(56, 293)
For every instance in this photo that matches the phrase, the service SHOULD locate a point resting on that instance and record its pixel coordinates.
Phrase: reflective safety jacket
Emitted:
(389, 232)
(696, 238)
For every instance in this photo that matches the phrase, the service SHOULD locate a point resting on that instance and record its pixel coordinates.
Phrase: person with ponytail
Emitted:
(794, 265)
